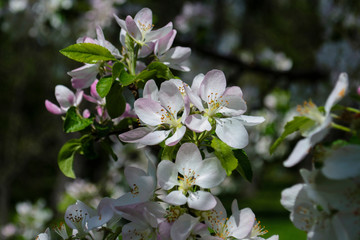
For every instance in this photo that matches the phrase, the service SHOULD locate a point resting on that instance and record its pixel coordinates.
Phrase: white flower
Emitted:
(190, 174)
(322, 122)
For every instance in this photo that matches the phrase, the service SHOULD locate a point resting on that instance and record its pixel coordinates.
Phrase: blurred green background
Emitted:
(279, 52)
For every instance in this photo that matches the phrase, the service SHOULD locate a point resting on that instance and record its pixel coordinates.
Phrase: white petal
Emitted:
(163, 44)
(244, 222)
(188, 157)
(144, 18)
(176, 137)
(167, 174)
(251, 120)
(149, 111)
(232, 132)
(159, 33)
(176, 198)
(299, 152)
(64, 96)
(194, 99)
(201, 200)
(171, 98)
(289, 195)
(155, 137)
(182, 227)
(135, 135)
(213, 85)
(211, 173)
(198, 123)
(338, 92)
(343, 163)
(151, 90)
(195, 87)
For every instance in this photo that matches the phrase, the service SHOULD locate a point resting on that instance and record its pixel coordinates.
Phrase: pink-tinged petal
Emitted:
(194, 99)
(201, 200)
(211, 173)
(134, 135)
(233, 91)
(167, 175)
(90, 98)
(178, 67)
(170, 97)
(219, 213)
(195, 87)
(188, 157)
(86, 113)
(146, 50)
(175, 55)
(144, 19)
(176, 137)
(86, 40)
(232, 105)
(164, 44)
(338, 92)
(132, 28)
(244, 221)
(301, 149)
(64, 96)
(154, 137)
(347, 167)
(100, 36)
(183, 227)
(52, 108)
(176, 198)
(151, 90)
(159, 33)
(105, 214)
(122, 36)
(232, 132)
(84, 76)
(121, 23)
(149, 111)
(250, 120)
(164, 230)
(213, 85)
(78, 97)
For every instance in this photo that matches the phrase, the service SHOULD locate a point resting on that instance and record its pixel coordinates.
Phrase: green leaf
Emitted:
(168, 153)
(146, 75)
(103, 86)
(298, 123)
(244, 166)
(225, 154)
(106, 145)
(162, 71)
(74, 122)
(117, 68)
(115, 101)
(87, 53)
(126, 78)
(87, 147)
(66, 157)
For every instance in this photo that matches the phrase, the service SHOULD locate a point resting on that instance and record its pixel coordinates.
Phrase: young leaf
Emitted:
(162, 71)
(168, 153)
(87, 53)
(66, 157)
(117, 68)
(225, 154)
(106, 145)
(146, 75)
(75, 122)
(126, 78)
(244, 166)
(115, 101)
(103, 86)
(294, 125)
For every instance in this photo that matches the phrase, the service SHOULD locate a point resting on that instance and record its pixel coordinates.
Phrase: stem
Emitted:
(350, 109)
(342, 128)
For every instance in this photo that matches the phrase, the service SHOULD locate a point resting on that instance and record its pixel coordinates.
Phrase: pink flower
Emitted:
(66, 98)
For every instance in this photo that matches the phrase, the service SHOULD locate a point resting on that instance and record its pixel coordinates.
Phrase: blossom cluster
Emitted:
(200, 128)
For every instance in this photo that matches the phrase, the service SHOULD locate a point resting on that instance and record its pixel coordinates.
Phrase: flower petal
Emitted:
(159, 33)
(64, 96)
(176, 137)
(338, 92)
(211, 173)
(188, 157)
(232, 132)
(198, 123)
(154, 137)
(213, 85)
(182, 227)
(149, 111)
(133, 29)
(299, 152)
(151, 90)
(201, 200)
(167, 175)
(250, 120)
(176, 198)
(170, 97)
(134, 135)
(244, 221)
(52, 108)
(144, 19)
(194, 98)
(164, 44)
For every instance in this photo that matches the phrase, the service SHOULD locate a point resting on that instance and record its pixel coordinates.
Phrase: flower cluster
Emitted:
(200, 128)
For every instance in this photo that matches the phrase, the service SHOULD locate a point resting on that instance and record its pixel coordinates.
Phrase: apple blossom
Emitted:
(77, 216)
(322, 122)
(66, 98)
(140, 27)
(161, 117)
(44, 236)
(187, 174)
(221, 106)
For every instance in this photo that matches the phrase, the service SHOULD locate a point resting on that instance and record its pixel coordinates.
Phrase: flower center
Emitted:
(168, 117)
(215, 103)
(310, 110)
(187, 181)
(145, 27)
(173, 213)
(135, 190)
(257, 230)
(76, 217)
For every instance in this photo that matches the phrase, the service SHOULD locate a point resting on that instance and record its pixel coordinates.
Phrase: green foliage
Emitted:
(66, 157)
(244, 166)
(168, 152)
(115, 101)
(87, 53)
(121, 75)
(225, 154)
(294, 125)
(74, 122)
(103, 86)
(162, 71)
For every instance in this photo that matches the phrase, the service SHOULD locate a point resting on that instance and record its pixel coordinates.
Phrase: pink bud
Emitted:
(358, 91)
